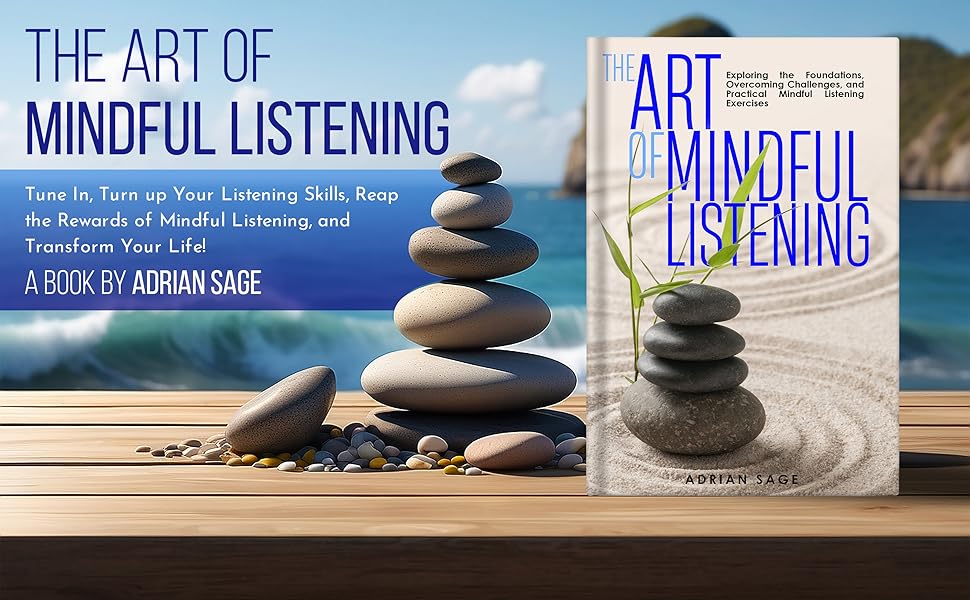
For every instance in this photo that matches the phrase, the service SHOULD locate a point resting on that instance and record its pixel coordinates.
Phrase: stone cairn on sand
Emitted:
(690, 399)
(457, 387)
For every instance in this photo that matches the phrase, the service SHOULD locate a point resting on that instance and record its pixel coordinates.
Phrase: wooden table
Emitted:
(82, 515)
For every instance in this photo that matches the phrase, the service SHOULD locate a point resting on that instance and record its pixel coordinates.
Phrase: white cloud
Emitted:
(524, 109)
(502, 83)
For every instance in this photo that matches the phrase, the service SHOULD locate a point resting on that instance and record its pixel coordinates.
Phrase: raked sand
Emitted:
(822, 347)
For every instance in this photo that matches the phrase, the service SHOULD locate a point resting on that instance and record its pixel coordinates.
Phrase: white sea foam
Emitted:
(28, 348)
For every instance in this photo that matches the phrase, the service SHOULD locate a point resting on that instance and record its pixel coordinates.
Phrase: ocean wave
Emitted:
(220, 350)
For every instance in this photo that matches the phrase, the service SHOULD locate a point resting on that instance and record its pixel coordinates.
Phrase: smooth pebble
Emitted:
(571, 446)
(570, 460)
(143, 449)
(419, 462)
(315, 468)
(473, 471)
(353, 468)
(432, 443)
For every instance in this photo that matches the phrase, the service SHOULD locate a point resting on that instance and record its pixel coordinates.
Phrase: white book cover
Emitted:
(743, 327)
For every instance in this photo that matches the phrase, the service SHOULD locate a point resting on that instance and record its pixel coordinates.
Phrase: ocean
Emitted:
(252, 349)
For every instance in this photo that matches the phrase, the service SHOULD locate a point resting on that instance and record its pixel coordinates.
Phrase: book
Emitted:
(743, 249)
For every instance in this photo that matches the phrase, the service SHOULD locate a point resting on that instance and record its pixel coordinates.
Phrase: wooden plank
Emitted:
(521, 516)
(934, 398)
(216, 480)
(934, 415)
(534, 568)
(219, 480)
(943, 440)
(204, 415)
(90, 398)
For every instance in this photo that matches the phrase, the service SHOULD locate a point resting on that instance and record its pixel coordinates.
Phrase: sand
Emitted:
(822, 347)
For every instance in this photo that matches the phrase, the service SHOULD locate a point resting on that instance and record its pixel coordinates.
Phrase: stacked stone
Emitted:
(459, 388)
(690, 399)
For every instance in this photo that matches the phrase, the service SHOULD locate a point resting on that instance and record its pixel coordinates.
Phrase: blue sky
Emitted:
(428, 50)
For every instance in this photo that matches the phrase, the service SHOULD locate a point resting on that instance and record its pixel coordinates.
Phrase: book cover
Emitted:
(743, 266)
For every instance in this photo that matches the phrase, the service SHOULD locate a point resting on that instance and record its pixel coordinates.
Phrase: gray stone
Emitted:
(510, 451)
(404, 428)
(362, 436)
(316, 468)
(352, 468)
(571, 446)
(287, 415)
(466, 381)
(695, 304)
(469, 168)
(696, 377)
(335, 446)
(473, 207)
(453, 315)
(568, 461)
(368, 451)
(472, 253)
(692, 342)
(695, 424)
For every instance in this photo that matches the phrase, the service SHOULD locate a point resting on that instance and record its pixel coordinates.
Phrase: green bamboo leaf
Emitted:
(723, 256)
(648, 203)
(615, 252)
(700, 271)
(664, 287)
(649, 272)
(729, 234)
(761, 224)
(635, 298)
(631, 382)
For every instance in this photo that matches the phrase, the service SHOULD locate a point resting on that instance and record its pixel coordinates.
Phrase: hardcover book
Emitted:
(743, 266)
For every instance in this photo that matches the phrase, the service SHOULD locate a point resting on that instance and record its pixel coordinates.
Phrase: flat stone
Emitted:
(284, 416)
(473, 207)
(696, 376)
(692, 342)
(695, 304)
(404, 428)
(463, 382)
(469, 168)
(453, 315)
(695, 424)
(510, 451)
(472, 253)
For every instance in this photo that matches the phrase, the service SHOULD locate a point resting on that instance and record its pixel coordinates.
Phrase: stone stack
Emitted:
(689, 399)
(458, 387)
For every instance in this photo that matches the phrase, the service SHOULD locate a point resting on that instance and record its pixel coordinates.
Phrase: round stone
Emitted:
(571, 446)
(695, 304)
(453, 315)
(472, 471)
(469, 168)
(692, 342)
(432, 443)
(568, 461)
(288, 465)
(404, 428)
(287, 415)
(473, 207)
(419, 462)
(695, 424)
(696, 377)
(472, 253)
(316, 468)
(510, 451)
(459, 382)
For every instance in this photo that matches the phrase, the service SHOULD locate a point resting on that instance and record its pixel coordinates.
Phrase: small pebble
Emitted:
(288, 465)
(352, 468)
(451, 470)
(172, 446)
(192, 442)
(173, 453)
(143, 449)
(259, 465)
(159, 452)
(190, 451)
(350, 428)
(434, 455)
(444, 462)
(379, 444)
(580, 467)
(562, 437)
(212, 453)
(183, 447)
(388, 466)
(473, 471)
(336, 432)
(377, 463)
(570, 460)
(346, 456)
(235, 461)
(368, 451)
(301, 463)
(458, 460)
(316, 468)
(390, 451)
(419, 462)
(571, 446)
(248, 459)
(327, 461)
(335, 446)
(268, 462)
(432, 443)
(359, 438)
